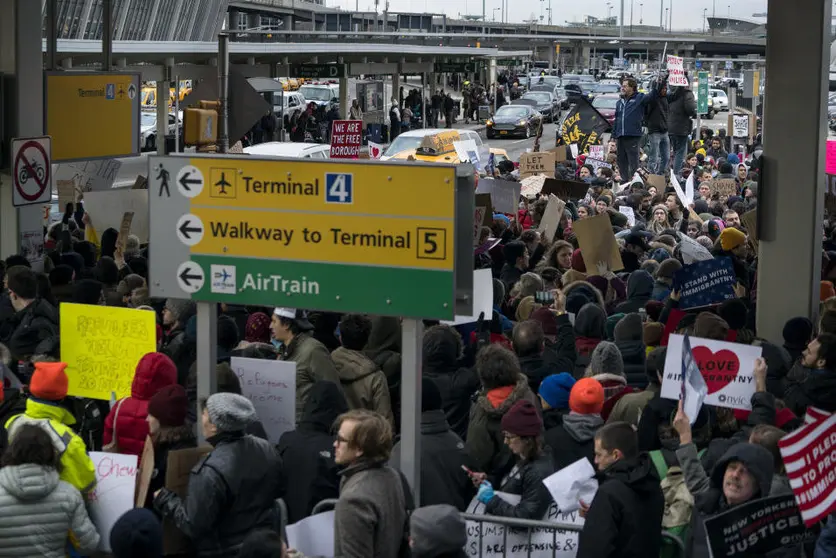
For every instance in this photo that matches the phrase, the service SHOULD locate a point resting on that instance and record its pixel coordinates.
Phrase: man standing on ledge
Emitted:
(627, 129)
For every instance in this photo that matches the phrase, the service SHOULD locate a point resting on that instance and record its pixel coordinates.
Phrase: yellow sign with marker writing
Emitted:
(349, 188)
(102, 346)
(92, 115)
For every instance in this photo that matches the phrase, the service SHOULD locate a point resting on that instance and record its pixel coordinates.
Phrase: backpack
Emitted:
(679, 503)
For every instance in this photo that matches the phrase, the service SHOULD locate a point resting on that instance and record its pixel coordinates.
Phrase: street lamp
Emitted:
(641, 13)
(494, 12)
(728, 19)
(704, 20)
(609, 11)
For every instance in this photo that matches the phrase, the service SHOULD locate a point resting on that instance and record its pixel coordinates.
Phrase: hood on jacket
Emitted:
(41, 409)
(385, 335)
(639, 474)
(352, 365)
(29, 482)
(517, 392)
(584, 292)
(581, 428)
(154, 371)
(325, 403)
(437, 530)
(591, 321)
(629, 328)
(639, 285)
(758, 461)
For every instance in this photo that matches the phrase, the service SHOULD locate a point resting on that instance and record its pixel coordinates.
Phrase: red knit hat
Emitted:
(49, 381)
(169, 405)
(522, 419)
(587, 397)
(258, 328)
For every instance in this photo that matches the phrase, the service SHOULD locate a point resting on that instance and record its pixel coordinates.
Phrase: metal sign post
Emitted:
(411, 347)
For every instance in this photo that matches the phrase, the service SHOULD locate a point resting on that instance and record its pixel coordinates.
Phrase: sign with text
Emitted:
(102, 346)
(322, 235)
(705, 283)
(318, 71)
(346, 139)
(103, 108)
(810, 457)
(583, 126)
(456, 67)
(89, 176)
(271, 386)
(597, 242)
(488, 539)
(723, 187)
(597, 164)
(702, 93)
(741, 125)
(757, 528)
(113, 495)
(536, 163)
(676, 72)
(727, 368)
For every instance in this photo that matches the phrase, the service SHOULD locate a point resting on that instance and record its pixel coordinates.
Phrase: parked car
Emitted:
(322, 95)
(573, 93)
(603, 88)
(148, 129)
(605, 104)
(293, 103)
(545, 104)
(514, 120)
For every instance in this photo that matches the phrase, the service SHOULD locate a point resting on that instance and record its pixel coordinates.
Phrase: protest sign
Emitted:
(88, 176)
(536, 163)
(107, 208)
(67, 193)
(482, 299)
(532, 186)
(466, 151)
(741, 126)
(582, 127)
(597, 164)
(271, 386)
(757, 527)
(314, 535)
(658, 181)
(596, 152)
(809, 455)
(627, 211)
(102, 346)
(727, 368)
(484, 200)
(559, 152)
(830, 157)
(375, 150)
(544, 543)
(705, 283)
(478, 216)
(676, 72)
(567, 190)
(124, 230)
(572, 484)
(346, 139)
(692, 251)
(597, 242)
(178, 470)
(551, 217)
(145, 473)
(505, 195)
(723, 186)
(113, 495)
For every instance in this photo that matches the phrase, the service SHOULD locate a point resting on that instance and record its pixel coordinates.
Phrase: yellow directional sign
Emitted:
(92, 115)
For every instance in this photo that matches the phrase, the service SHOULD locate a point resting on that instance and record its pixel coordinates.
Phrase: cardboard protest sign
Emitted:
(552, 216)
(484, 200)
(676, 72)
(346, 139)
(532, 186)
(727, 368)
(597, 164)
(146, 472)
(102, 346)
(489, 539)
(750, 221)
(67, 193)
(723, 186)
(178, 470)
(705, 283)
(810, 458)
(597, 242)
(505, 195)
(141, 183)
(125, 230)
(107, 208)
(559, 152)
(567, 190)
(271, 386)
(757, 527)
(658, 181)
(537, 163)
(314, 535)
(482, 298)
(479, 213)
(113, 495)
(88, 176)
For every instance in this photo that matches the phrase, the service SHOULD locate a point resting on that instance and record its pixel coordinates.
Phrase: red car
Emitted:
(605, 104)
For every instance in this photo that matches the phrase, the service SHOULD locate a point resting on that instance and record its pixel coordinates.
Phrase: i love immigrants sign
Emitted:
(727, 368)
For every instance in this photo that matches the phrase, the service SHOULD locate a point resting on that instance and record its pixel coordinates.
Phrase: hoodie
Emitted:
(639, 289)
(573, 439)
(437, 532)
(310, 472)
(629, 333)
(590, 329)
(384, 348)
(625, 518)
(364, 384)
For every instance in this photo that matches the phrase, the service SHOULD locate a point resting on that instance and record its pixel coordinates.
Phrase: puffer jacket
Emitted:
(682, 107)
(485, 442)
(153, 372)
(232, 492)
(38, 512)
(573, 439)
(364, 384)
(525, 479)
(313, 364)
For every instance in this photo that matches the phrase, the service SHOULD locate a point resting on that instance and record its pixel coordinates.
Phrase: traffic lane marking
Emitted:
(397, 242)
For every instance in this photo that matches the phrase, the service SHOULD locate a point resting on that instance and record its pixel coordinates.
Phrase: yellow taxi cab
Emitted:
(434, 146)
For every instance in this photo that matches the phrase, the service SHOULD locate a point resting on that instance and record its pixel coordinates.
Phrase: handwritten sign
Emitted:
(271, 386)
(727, 368)
(723, 187)
(89, 176)
(107, 208)
(676, 72)
(125, 230)
(478, 217)
(67, 193)
(705, 283)
(596, 152)
(113, 495)
(597, 164)
(346, 138)
(102, 346)
(536, 163)
(544, 543)
(740, 125)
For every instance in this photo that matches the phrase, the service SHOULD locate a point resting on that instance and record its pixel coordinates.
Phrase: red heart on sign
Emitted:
(718, 369)
(374, 152)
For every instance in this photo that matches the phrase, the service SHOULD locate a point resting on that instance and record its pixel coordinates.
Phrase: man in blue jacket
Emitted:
(629, 113)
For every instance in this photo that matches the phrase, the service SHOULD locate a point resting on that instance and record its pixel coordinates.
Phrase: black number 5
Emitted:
(430, 244)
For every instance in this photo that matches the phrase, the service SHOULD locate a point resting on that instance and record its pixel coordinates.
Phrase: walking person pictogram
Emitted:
(162, 176)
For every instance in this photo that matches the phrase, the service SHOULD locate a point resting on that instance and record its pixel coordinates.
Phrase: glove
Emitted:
(485, 493)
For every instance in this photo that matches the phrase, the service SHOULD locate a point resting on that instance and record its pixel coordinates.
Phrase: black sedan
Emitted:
(545, 104)
(514, 120)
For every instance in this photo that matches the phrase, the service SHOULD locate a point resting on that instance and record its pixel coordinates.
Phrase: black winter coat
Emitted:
(818, 390)
(657, 116)
(457, 387)
(573, 439)
(682, 107)
(25, 330)
(625, 518)
(178, 439)
(443, 481)
(633, 356)
(232, 492)
(525, 479)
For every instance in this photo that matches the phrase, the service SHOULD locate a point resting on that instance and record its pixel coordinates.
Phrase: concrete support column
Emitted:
(344, 104)
(791, 196)
(163, 94)
(551, 57)
(586, 57)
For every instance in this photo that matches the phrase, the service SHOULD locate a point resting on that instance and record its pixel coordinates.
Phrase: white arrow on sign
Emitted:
(190, 277)
(190, 181)
(190, 229)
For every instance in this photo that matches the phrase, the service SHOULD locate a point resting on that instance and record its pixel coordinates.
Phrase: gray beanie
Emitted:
(437, 530)
(180, 308)
(606, 359)
(230, 412)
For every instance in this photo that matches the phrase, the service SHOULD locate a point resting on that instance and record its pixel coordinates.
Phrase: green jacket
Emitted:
(313, 364)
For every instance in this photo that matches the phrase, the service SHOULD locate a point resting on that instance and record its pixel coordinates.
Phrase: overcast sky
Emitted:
(686, 14)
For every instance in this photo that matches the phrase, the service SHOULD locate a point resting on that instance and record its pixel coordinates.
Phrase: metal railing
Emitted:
(529, 524)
